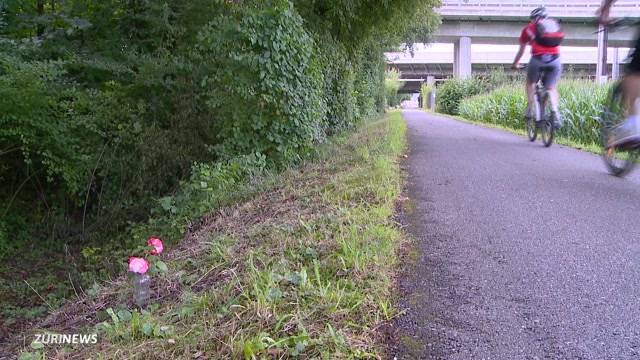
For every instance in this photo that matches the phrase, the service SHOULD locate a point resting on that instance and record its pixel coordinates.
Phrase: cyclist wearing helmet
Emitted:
(629, 131)
(543, 58)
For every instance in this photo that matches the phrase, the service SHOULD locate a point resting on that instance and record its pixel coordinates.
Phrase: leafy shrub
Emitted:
(453, 91)
(210, 186)
(369, 84)
(339, 81)
(392, 84)
(283, 112)
(425, 94)
(37, 126)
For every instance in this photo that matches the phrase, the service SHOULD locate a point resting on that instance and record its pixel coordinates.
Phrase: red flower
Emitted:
(138, 265)
(156, 244)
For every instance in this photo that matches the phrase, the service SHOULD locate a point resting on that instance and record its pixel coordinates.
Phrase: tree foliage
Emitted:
(107, 105)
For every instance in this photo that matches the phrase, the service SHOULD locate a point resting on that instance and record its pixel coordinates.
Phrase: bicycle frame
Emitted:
(540, 120)
(541, 96)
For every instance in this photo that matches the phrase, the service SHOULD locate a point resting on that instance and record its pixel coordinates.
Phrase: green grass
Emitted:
(591, 147)
(304, 268)
(580, 105)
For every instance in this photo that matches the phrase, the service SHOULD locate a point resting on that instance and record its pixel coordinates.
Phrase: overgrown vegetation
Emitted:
(303, 269)
(392, 84)
(425, 95)
(580, 105)
(122, 119)
(453, 91)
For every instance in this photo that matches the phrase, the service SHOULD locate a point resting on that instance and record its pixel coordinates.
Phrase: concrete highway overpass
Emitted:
(499, 22)
(434, 62)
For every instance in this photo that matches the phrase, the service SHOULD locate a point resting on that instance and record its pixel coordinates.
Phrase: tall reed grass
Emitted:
(580, 107)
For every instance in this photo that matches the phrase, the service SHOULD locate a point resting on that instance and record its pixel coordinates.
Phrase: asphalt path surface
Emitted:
(523, 252)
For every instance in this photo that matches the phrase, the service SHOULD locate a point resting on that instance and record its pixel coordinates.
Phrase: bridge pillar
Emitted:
(601, 62)
(615, 70)
(462, 57)
(431, 80)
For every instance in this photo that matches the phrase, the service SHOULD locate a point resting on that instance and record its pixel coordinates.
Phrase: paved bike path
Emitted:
(525, 252)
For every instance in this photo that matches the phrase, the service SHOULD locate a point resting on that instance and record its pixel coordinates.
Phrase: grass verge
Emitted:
(304, 268)
(592, 148)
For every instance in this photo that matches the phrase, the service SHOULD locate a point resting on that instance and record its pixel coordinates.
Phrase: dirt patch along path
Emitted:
(522, 252)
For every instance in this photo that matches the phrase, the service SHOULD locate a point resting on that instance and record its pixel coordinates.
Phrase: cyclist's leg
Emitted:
(629, 131)
(553, 71)
(533, 75)
(531, 98)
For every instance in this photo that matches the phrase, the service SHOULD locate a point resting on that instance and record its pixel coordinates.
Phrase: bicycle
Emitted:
(542, 120)
(619, 160)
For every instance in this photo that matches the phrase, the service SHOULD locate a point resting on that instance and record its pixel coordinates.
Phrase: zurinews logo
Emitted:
(65, 339)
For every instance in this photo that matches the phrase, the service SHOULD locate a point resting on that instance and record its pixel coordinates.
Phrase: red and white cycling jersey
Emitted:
(528, 37)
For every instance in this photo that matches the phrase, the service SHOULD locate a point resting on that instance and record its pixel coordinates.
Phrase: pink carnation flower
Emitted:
(138, 265)
(156, 244)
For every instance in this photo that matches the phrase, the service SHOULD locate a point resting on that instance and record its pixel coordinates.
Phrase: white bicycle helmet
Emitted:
(540, 12)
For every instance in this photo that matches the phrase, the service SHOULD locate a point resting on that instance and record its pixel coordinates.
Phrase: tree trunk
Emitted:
(40, 12)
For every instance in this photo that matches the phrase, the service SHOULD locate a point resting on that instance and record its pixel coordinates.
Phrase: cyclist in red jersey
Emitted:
(545, 63)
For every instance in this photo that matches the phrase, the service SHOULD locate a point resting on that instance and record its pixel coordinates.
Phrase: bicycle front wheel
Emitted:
(548, 132)
(532, 130)
(547, 129)
(619, 161)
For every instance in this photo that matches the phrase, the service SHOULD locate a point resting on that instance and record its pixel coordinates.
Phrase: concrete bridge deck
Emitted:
(521, 8)
(434, 63)
(500, 22)
(496, 22)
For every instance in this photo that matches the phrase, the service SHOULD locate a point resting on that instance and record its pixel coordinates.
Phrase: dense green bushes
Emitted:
(425, 95)
(451, 92)
(122, 117)
(113, 104)
(338, 87)
(580, 106)
(392, 84)
(272, 46)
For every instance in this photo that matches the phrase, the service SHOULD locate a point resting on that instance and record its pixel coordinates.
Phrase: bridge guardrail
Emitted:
(565, 8)
(529, 3)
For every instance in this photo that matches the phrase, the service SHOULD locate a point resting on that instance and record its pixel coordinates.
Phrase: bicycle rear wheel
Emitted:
(530, 121)
(619, 161)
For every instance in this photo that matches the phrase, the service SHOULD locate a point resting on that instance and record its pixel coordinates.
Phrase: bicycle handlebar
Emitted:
(619, 23)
